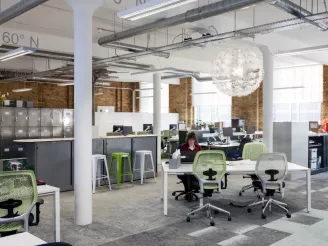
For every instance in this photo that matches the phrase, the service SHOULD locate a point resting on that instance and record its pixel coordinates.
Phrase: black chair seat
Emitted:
(10, 205)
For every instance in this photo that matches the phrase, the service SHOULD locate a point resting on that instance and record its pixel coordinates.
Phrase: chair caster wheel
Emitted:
(240, 193)
(249, 210)
(288, 215)
(216, 212)
(176, 198)
(229, 218)
(188, 219)
(173, 194)
(263, 216)
(212, 223)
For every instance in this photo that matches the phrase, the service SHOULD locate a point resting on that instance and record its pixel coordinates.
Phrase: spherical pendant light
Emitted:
(237, 72)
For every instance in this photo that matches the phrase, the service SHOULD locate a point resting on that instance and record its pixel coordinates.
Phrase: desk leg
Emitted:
(308, 190)
(162, 183)
(165, 193)
(57, 215)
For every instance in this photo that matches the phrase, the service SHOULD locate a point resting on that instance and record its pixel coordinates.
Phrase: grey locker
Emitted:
(33, 132)
(7, 116)
(19, 104)
(68, 117)
(6, 147)
(58, 131)
(20, 132)
(57, 117)
(46, 119)
(45, 132)
(68, 132)
(33, 117)
(7, 132)
(20, 117)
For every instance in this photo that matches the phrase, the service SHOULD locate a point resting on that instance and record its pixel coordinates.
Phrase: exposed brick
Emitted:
(180, 100)
(249, 108)
(324, 108)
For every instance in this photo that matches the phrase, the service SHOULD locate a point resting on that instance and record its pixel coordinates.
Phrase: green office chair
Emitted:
(252, 151)
(209, 167)
(18, 196)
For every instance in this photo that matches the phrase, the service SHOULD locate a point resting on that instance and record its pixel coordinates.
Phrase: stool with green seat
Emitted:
(119, 158)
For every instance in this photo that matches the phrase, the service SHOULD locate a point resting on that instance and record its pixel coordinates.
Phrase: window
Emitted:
(210, 104)
(146, 98)
(302, 97)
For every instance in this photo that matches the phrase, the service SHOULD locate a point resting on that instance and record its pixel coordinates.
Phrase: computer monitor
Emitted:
(147, 128)
(182, 126)
(127, 130)
(118, 128)
(250, 129)
(182, 136)
(227, 131)
(214, 130)
(173, 127)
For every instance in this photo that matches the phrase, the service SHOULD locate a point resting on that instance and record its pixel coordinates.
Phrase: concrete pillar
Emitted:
(83, 11)
(267, 97)
(157, 112)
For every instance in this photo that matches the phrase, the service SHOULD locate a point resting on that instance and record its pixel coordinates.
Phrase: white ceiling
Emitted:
(55, 17)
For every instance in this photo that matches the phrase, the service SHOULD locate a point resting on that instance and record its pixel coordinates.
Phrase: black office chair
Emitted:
(191, 186)
(55, 244)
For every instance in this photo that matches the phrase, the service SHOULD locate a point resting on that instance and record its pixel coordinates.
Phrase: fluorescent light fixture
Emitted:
(16, 53)
(287, 88)
(22, 90)
(150, 8)
(144, 97)
(203, 93)
(65, 84)
(99, 93)
(304, 51)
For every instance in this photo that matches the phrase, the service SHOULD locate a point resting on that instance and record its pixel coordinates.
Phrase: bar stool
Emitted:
(143, 169)
(120, 157)
(96, 171)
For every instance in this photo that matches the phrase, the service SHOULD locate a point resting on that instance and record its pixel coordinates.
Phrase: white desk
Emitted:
(47, 190)
(21, 239)
(236, 168)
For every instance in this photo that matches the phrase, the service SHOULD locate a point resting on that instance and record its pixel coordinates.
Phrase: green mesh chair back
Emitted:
(167, 134)
(17, 185)
(253, 150)
(204, 160)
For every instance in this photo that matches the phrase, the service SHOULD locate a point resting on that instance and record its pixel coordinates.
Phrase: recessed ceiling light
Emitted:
(16, 53)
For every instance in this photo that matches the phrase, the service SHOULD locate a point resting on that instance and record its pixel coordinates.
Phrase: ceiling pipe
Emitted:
(299, 12)
(192, 15)
(19, 8)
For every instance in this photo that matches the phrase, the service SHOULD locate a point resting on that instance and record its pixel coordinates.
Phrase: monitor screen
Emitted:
(118, 128)
(173, 127)
(227, 131)
(147, 127)
(182, 126)
(250, 129)
(214, 130)
(127, 130)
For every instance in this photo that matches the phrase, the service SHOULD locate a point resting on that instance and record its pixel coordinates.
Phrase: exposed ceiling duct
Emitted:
(299, 12)
(192, 15)
(19, 8)
(223, 37)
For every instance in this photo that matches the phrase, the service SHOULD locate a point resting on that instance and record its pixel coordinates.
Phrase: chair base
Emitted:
(189, 195)
(268, 204)
(246, 187)
(208, 207)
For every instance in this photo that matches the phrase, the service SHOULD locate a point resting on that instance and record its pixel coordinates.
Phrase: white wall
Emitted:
(105, 121)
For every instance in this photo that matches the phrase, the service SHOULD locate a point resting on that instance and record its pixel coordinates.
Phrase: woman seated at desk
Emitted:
(190, 182)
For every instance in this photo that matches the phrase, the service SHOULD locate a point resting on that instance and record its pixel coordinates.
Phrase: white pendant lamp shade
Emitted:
(237, 72)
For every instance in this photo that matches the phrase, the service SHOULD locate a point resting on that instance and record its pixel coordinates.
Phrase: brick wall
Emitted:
(53, 96)
(324, 107)
(180, 100)
(249, 108)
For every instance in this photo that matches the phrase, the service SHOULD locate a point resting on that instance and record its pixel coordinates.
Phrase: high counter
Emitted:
(53, 158)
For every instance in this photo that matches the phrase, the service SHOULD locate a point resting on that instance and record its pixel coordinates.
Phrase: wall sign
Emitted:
(19, 39)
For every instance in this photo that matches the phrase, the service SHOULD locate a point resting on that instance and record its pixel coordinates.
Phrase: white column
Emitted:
(267, 97)
(157, 112)
(83, 11)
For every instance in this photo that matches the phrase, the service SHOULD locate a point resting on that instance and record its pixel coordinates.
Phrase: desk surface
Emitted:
(232, 144)
(39, 140)
(21, 239)
(235, 167)
(45, 189)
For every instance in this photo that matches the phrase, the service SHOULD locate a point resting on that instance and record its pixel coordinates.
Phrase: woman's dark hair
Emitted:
(191, 135)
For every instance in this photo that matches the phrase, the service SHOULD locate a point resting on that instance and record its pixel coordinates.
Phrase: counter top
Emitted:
(39, 140)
